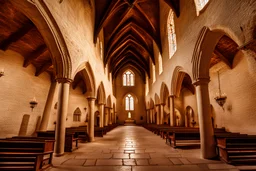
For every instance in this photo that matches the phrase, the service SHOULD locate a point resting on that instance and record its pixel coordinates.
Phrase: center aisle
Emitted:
(133, 148)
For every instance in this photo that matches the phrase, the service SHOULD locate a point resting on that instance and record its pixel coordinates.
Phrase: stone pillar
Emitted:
(62, 110)
(208, 149)
(161, 114)
(157, 114)
(172, 111)
(147, 114)
(110, 116)
(106, 115)
(101, 110)
(151, 115)
(48, 107)
(91, 105)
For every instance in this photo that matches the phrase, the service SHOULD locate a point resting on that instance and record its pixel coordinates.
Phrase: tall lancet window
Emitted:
(128, 78)
(171, 34)
(129, 102)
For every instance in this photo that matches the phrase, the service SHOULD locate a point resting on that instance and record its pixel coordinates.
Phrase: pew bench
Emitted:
(71, 143)
(26, 155)
(179, 138)
(237, 149)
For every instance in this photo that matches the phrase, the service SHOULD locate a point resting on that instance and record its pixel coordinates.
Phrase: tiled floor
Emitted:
(133, 148)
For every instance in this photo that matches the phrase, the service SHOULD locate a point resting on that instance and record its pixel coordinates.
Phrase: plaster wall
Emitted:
(188, 25)
(240, 87)
(76, 22)
(138, 91)
(18, 87)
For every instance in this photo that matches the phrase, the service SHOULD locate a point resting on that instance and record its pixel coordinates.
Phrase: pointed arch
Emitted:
(40, 15)
(101, 95)
(152, 104)
(109, 101)
(157, 99)
(88, 77)
(181, 78)
(203, 52)
(177, 78)
(164, 93)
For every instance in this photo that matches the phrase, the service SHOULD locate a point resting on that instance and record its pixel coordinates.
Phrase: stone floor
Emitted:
(133, 148)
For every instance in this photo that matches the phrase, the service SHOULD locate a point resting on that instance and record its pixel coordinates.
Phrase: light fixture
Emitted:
(220, 97)
(33, 103)
(2, 72)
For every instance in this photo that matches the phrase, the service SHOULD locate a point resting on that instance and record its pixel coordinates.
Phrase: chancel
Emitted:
(127, 85)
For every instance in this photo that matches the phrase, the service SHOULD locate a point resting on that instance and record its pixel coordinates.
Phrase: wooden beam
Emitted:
(222, 57)
(43, 68)
(41, 49)
(105, 17)
(16, 36)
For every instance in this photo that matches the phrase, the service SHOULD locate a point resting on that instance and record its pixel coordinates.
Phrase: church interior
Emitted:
(128, 85)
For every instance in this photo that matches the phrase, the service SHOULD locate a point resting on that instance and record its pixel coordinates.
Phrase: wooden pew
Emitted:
(71, 143)
(26, 155)
(187, 135)
(237, 148)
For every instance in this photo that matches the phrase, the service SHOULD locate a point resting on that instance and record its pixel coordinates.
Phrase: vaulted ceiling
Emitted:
(19, 34)
(130, 28)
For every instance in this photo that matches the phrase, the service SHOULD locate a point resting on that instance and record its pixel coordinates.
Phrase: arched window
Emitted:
(200, 4)
(77, 115)
(129, 102)
(160, 62)
(128, 78)
(171, 34)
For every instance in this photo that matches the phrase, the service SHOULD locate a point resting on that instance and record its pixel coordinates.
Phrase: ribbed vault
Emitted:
(130, 28)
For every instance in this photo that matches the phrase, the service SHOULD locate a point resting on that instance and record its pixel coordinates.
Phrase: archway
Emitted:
(209, 47)
(189, 117)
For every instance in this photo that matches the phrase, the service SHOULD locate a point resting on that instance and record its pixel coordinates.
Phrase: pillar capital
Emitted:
(91, 98)
(200, 81)
(171, 96)
(63, 80)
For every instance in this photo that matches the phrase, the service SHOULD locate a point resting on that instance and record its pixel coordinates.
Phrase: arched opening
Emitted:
(189, 117)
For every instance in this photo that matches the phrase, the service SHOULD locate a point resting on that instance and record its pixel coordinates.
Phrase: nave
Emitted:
(133, 148)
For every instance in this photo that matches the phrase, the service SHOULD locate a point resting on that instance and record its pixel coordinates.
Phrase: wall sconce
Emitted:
(220, 97)
(33, 103)
(2, 72)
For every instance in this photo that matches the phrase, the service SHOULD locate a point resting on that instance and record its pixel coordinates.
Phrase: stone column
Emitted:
(48, 107)
(150, 116)
(208, 149)
(106, 116)
(161, 114)
(115, 117)
(110, 116)
(91, 105)
(101, 110)
(172, 111)
(62, 110)
(157, 114)
(147, 114)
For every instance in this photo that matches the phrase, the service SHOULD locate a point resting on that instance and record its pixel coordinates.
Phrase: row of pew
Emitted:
(233, 148)
(30, 153)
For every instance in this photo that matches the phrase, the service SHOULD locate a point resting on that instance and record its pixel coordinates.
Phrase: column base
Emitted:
(91, 139)
(58, 154)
